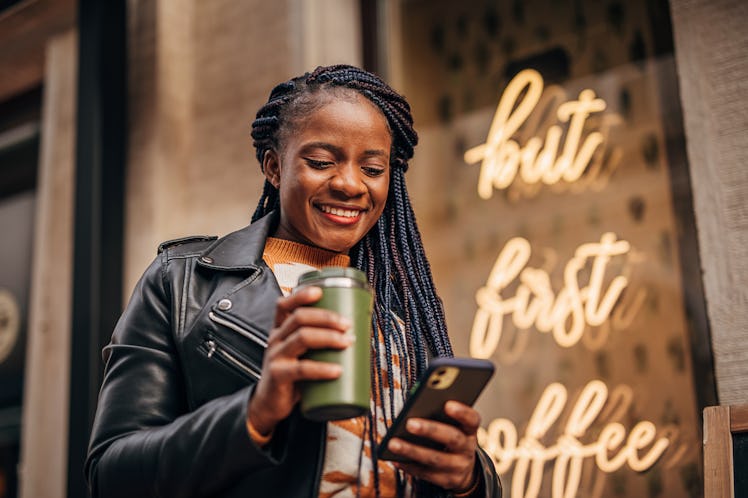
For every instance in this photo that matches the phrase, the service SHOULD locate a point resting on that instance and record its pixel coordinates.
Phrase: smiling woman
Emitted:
(206, 364)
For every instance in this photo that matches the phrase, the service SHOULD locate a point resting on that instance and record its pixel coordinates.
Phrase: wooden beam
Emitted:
(44, 438)
(25, 30)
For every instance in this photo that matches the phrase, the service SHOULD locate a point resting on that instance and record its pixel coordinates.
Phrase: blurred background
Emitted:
(579, 183)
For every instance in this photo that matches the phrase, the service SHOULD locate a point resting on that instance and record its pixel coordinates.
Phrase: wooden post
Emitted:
(718, 472)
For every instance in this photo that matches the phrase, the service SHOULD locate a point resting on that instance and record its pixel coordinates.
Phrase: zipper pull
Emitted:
(211, 345)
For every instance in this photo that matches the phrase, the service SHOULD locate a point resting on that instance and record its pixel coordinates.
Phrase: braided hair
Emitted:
(391, 253)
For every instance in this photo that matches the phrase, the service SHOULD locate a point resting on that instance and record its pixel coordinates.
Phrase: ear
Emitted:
(271, 167)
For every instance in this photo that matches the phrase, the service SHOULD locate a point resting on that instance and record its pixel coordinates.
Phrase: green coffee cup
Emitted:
(345, 291)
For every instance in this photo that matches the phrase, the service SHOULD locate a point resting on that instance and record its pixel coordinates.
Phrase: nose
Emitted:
(348, 180)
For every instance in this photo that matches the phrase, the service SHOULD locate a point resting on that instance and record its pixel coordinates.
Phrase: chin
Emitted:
(340, 247)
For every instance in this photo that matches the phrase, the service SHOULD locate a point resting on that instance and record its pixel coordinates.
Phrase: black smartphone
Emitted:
(459, 379)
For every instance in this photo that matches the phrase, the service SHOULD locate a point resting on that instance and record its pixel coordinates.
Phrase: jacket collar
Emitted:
(241, 250)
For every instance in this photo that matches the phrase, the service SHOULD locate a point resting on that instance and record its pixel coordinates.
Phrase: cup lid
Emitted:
(334, 272)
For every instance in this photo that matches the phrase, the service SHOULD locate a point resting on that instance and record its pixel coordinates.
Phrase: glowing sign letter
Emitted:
(502, 158)
(565, 314)
(500, 154)
(529, 455)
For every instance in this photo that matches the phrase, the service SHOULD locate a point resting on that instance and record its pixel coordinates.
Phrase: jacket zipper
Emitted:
(252, 336)
(212, 348)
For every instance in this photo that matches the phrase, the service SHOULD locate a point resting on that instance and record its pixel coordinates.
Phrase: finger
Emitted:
(458, 479)
(451, 437)
(303, 297)
(467, 416)
(447, 470)
(309, 317)
(285, 370)
(419, 456)
(423, 460)
(310, 338)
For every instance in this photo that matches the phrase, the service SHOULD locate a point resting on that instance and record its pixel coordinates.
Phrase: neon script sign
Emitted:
(587, 298)
(502, 158)
(535, 303)
(611, 450)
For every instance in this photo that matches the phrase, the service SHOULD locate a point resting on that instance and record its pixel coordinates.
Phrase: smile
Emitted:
(345, 213)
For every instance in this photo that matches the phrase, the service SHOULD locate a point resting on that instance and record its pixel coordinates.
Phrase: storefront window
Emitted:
(19, 145)
(549, 186)
(16, 218)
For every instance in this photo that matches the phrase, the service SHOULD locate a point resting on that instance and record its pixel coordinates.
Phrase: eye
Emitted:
(373, 171)
(316, 164)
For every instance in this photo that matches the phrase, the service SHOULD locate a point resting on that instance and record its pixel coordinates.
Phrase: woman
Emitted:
(201, 387)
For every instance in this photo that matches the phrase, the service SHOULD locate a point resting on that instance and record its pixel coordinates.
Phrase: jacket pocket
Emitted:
(219, 351)
(253, 335)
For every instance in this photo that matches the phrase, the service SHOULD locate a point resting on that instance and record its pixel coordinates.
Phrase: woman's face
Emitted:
(332, 173)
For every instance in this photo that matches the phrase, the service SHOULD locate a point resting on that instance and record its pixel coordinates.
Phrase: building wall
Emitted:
(711, 49)
(198, 73)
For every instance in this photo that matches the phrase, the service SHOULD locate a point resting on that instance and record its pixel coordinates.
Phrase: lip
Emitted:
(344, 215)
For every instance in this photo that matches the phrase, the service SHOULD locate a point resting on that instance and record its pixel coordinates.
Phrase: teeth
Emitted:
(347, 213)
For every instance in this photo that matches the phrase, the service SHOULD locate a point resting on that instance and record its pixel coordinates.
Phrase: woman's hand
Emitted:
(452, 468)
(298, 328)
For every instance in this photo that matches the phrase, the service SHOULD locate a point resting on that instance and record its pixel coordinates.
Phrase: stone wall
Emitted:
(711, 50)
(198, 73)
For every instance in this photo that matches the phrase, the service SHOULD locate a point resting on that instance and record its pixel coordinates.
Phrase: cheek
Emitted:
(383, 191)
(380, 195)
(291, 201)
(291, 188)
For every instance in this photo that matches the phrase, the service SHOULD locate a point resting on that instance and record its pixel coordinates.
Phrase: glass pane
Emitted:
(550, 160)
(18, 158)
(16, 218)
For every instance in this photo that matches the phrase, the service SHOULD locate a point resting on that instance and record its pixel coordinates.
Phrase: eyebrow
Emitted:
(337, 150)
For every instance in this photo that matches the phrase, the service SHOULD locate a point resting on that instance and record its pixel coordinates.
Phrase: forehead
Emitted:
(300, 110)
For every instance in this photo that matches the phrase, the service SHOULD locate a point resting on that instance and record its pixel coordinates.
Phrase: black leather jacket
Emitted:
(181, 366)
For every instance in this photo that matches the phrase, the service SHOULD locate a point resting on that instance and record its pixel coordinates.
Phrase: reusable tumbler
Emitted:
(345, 291)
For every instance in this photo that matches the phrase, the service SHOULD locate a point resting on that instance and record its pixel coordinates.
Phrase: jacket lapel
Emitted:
(249, 305)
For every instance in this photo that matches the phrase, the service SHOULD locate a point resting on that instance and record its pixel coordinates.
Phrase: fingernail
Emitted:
(414, 425)
(345, 322)
(395, 445)
(334, 369)
(310, 291)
